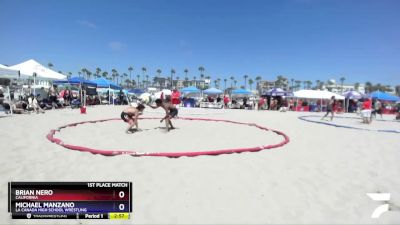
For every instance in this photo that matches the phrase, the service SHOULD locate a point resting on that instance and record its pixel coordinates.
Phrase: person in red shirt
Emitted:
(226, 101)
(261, 103)
(366, 111)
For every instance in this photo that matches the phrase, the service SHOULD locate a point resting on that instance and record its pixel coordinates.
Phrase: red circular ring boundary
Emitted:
(50, 137)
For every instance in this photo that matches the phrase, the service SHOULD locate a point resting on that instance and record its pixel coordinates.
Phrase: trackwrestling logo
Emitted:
(382, 208)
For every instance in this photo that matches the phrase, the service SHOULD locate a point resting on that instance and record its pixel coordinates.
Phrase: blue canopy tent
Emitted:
(190, 89)
(188, 94)
(241, 92)
(78, 81)
(277, 92)
(104, 83)
(136, 91)
(212, 91)
(383, 96)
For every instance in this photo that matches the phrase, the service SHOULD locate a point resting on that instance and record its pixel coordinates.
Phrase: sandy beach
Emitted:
(321, 176)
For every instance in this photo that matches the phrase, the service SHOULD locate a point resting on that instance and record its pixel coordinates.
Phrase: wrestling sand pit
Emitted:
(153, 139)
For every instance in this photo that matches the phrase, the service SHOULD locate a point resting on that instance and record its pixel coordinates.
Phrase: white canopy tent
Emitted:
(43, 74)
(6, 72)
(30, 67)
(316, 94)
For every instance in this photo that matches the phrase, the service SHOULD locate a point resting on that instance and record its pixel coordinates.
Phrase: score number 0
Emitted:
(121, 195)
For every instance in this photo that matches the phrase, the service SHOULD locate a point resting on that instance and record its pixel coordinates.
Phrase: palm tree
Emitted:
(84, 72)
(50, 65)
(245, 80)
(88, 74)
(144, 70)
(258, 79)
(251, 83)
(130, 69)
(194, 81)
(147, 80)
(225, 80)
(342, 79)
(309, 83)
(69, 75)
(209, 82)
(113, 71)
(201, 69)
(317, 84)
(368, 87)
(186, 81)
(172, 74)
(285, 82)
(186, 71)
(128, 82)
(280, 81)
(104, 74)
(292, 80)
(232, 79)
(304, 84)
(138, 80)
(298, 82)
(321, 85)
(157, 81)
(98, 70)
(117, 76)
(215, 83)
(133, 82)
(235, 82)
(124, 75)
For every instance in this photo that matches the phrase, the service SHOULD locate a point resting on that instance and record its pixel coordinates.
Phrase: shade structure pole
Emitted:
(321, 104)
(84, 97)
(109, 95)
(80, 87)
(34, 83)
(9, 98)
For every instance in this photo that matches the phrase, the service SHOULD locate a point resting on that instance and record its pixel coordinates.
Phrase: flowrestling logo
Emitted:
(382, 197)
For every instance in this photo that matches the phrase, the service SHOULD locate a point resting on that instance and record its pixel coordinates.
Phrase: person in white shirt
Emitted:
(33, 103)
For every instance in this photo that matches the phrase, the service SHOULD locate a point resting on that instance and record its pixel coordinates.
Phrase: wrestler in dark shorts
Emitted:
(126, 116)
(173, 112)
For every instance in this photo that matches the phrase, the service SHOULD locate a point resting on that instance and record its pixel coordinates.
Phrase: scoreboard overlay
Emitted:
(70, 200)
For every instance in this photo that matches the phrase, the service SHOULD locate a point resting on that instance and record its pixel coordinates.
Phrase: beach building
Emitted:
(178, 84)
(265, 85)
(337, 88)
